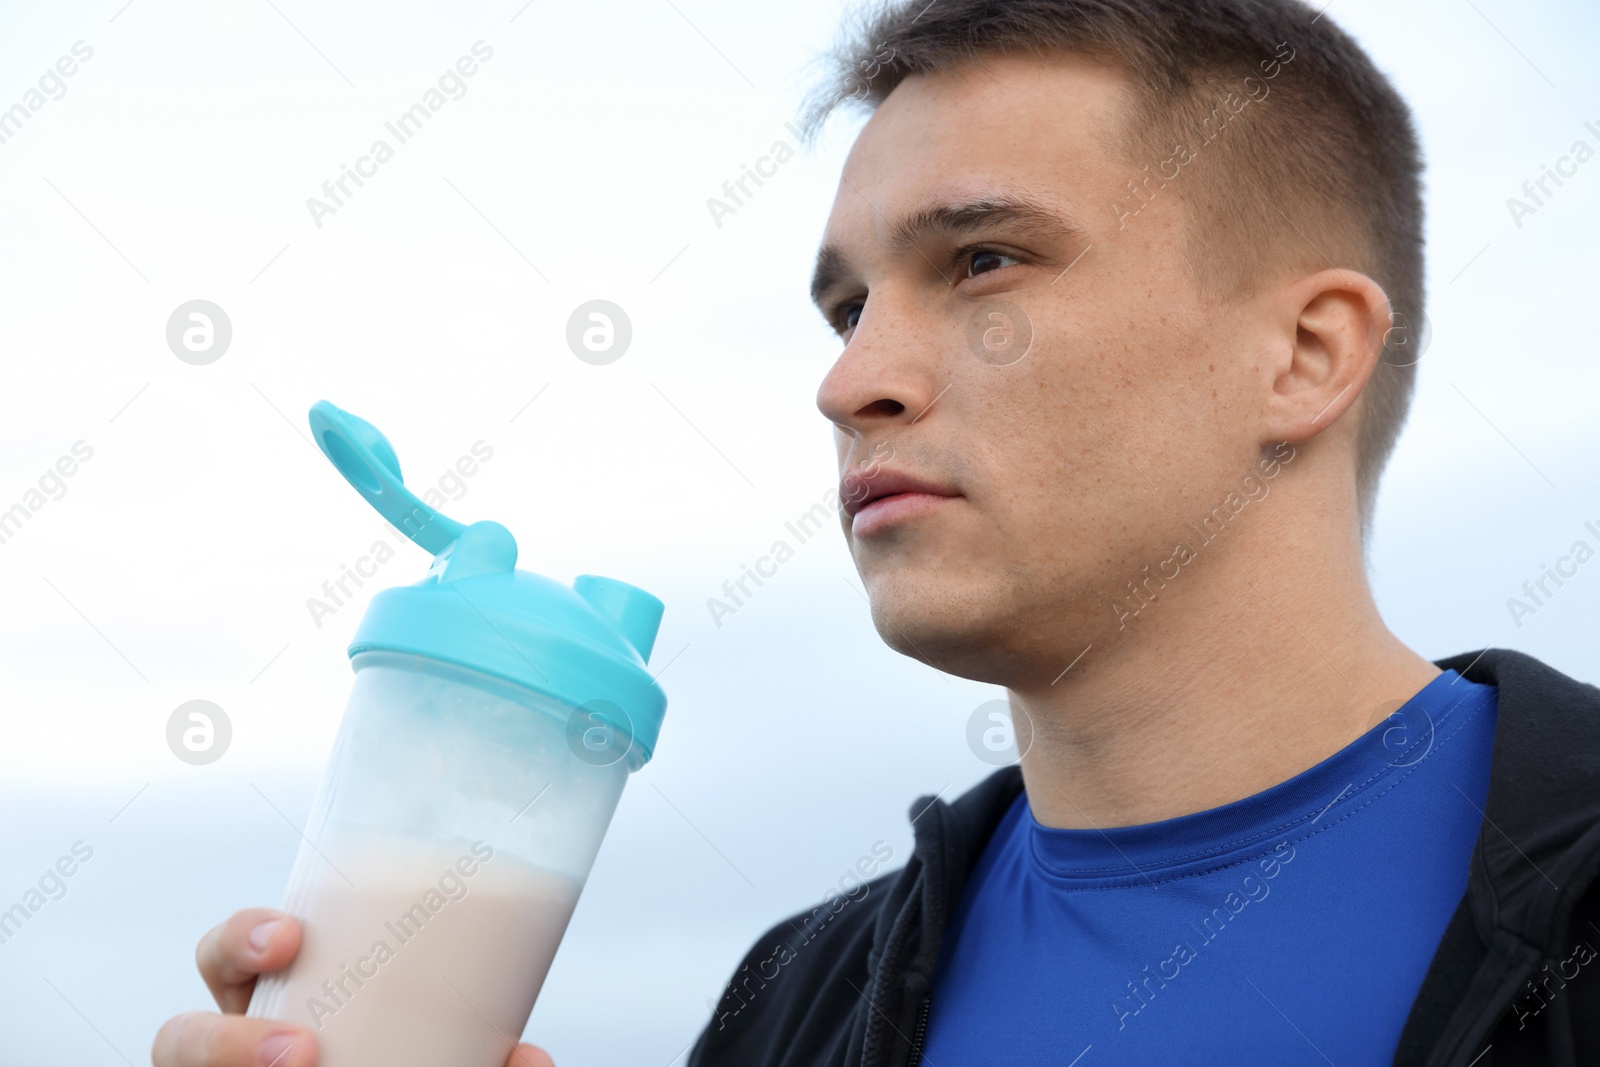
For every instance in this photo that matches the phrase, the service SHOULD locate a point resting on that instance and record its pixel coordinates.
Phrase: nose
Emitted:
(887, 376)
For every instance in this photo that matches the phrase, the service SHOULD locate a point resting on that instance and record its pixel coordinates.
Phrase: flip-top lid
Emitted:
(585, 644)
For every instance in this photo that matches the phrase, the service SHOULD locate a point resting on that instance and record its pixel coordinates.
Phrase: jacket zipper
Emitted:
(922, 1028)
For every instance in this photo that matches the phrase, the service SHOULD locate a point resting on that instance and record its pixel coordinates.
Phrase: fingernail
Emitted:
(262, 934)
(275, 1050)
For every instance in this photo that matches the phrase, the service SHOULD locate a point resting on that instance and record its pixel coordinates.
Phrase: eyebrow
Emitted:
(1025, 215)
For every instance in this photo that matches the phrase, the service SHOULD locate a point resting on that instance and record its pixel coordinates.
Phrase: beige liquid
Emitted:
(418, 979)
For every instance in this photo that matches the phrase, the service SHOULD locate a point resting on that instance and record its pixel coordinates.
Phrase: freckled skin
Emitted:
(1049, 450)
(1139, 407)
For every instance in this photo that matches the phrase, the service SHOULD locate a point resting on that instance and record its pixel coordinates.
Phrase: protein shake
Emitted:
(495, 718)
(391, 968)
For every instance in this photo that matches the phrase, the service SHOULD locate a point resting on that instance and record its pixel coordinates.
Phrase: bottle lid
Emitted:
(585, 645)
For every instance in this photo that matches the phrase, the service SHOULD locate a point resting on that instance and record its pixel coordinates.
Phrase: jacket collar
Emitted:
(1539, 843)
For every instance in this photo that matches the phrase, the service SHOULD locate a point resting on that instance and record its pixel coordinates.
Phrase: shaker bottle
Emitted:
(494, 719)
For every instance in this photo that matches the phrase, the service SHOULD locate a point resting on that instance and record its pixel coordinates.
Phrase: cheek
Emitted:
(1036, 457)
(1097, 435)
(1205, 420)
(1076, 408)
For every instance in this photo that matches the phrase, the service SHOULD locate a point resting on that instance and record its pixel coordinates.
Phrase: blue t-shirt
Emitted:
(1291, 927)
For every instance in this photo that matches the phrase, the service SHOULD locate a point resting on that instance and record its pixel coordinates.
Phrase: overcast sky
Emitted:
(574, 164)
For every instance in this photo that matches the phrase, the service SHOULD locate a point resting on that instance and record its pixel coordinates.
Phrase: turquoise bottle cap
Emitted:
(585, 645)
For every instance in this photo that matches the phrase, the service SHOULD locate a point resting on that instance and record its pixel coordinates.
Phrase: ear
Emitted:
(1337, 322)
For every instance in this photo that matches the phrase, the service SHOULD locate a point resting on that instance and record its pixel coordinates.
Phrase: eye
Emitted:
(848, 316)
(984, 260)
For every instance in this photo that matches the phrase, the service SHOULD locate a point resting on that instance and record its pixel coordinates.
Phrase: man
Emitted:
(1123, 287)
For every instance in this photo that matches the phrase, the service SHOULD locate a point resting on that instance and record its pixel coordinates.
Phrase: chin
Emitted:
(981, 627)
(945, 629)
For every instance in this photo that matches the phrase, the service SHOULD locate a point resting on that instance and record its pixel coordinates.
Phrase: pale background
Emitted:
(177, 565)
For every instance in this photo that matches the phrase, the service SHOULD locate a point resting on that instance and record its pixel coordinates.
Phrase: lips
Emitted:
(861, 486)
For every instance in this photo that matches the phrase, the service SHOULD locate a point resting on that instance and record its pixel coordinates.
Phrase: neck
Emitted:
(1263, 658)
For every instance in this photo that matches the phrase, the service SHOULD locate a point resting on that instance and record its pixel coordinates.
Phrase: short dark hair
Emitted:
(1328, 173)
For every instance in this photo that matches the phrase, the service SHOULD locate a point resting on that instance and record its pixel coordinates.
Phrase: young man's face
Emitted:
(1136, 408)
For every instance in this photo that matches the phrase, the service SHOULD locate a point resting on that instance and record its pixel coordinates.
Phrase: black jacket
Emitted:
(1515, 980)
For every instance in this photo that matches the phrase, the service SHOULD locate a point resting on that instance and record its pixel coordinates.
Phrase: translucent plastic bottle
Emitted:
(494, 720)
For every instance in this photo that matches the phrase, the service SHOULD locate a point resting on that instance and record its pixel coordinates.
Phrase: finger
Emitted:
(201, 1039)
(529, 1056)
(254, 941)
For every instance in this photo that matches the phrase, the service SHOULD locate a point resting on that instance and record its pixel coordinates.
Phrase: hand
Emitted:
(253, 942)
